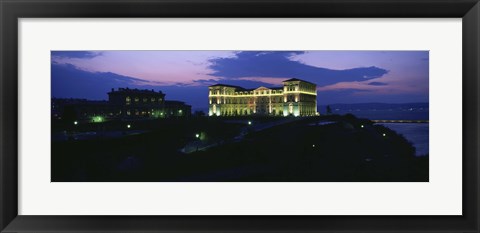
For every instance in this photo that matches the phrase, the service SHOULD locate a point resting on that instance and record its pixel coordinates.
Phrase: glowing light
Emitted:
(248, 95)
(129, 126)
(302, 92)
(249, 122)
(384, 135)
(75, 123)
(197, 135)
(97, 119)
(313, 145)
(361, 126)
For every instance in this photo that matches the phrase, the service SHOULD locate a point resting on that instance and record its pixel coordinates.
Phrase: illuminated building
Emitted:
(124, 103)
(135, 103)
(295, 98)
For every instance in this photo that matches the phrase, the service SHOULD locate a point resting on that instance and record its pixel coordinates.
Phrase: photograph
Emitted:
(239, 116)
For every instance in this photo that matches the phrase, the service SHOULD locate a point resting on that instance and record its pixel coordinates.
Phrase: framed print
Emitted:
(239, 116)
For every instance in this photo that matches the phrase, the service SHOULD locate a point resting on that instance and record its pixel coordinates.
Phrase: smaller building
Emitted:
(123, 104)
(135, 103)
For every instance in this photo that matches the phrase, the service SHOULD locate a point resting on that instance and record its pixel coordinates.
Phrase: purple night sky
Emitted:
(341, 76)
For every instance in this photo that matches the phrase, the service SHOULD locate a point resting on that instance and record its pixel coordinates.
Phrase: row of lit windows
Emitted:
(307, 87)
(153, 99)
(291, 88)
(101, 113)
(263, 92)
(244, 101)
(266, 92)
(145, 100)
(247, 112)
(303, 98)
(152, 113)
(247, 101)
(301, 87)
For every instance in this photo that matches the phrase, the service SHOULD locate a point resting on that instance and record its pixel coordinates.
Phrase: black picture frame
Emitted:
(11, 11)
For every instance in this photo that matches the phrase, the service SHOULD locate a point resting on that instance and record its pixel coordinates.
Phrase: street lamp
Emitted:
(249, 122)
(75, 122)
(128, 126)
(197, 135)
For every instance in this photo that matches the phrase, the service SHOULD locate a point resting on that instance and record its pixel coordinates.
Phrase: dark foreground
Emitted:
(320, 149)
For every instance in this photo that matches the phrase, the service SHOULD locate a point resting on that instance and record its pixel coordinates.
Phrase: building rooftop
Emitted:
(225, 85)
(296, 79)
(174, 102)
(251, 89)
(139, 91)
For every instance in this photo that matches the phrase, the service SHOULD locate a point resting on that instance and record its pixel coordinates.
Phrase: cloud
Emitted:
(377, 84)
(75, 54)
(279, 65)
(266, 80)
(68, 81)
(245, 83)
(206, 82)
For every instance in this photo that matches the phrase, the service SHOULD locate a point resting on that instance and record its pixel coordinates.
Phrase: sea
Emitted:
(416, 133)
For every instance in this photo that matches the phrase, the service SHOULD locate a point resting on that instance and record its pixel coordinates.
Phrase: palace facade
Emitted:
(295, 98)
